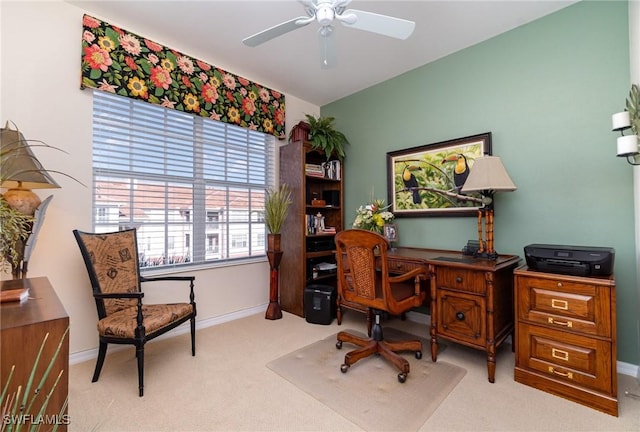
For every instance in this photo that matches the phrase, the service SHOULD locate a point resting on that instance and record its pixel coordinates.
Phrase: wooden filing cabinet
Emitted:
(566, 337)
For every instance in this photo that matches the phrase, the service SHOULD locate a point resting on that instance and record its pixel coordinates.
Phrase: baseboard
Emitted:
(82, 356)
(622, 367)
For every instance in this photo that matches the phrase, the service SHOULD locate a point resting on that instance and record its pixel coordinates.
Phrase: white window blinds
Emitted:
(191, 186)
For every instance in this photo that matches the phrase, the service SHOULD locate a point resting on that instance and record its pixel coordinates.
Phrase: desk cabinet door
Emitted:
(462, 317)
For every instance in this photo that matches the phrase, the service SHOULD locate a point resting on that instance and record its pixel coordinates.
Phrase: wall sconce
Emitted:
(628, 119)
(627, 144)
(487, 176)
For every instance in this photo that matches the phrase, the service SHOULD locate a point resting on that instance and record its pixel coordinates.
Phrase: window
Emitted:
(194, 188)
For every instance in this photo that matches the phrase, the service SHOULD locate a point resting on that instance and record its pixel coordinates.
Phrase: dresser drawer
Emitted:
(461, 317)
(461, 280)
(569, 358)
(570, 306)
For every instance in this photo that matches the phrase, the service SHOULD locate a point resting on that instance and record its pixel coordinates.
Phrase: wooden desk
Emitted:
(23, 327)
(471, 299)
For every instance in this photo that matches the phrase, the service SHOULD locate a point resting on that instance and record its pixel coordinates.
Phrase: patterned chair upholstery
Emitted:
(112, 263)
(364, 279)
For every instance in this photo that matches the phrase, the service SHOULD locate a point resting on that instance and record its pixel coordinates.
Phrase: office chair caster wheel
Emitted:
(402, 377)
(345, 367)
(339, 344)
(418, 355)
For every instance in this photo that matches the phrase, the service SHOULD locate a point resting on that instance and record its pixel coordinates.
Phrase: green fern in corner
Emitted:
(324, 136)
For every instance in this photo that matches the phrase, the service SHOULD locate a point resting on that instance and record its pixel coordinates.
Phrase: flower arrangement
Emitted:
(373, 216)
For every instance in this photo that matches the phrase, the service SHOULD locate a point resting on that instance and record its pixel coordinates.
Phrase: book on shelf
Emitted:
(14, 295)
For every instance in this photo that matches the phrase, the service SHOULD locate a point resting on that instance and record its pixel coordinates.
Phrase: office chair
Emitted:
(363, 278)
(112, 263)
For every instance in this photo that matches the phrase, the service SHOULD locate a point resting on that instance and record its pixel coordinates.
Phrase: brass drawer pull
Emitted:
(560, 323)
(559, 304)
(559, 354)
(562, 374)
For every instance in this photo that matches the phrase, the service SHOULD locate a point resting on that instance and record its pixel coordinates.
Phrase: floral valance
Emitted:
(123, 63)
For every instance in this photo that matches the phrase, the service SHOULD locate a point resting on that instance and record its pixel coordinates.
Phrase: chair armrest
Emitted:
(416, 272)
(119, 295)
(189, 279)
(167, 278)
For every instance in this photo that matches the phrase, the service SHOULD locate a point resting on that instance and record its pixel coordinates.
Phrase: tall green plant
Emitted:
(324, 136)
(276, 207)
(17, 406)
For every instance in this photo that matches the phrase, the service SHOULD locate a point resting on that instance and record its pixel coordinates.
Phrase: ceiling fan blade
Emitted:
(277, 30)
(327, 42)
(382, 24)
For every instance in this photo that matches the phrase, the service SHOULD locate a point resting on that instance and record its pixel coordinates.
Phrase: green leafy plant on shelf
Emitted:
(324, 136)
(276, 208)
(18, 406)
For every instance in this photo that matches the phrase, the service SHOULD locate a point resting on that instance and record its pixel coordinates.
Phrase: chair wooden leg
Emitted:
(102, 353)
(140, 356)
(193, 336)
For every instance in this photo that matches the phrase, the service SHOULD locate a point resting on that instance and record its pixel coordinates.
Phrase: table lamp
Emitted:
(487, 176)
(20, 171)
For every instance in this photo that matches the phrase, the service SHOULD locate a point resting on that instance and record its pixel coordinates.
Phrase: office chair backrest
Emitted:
(362, 264)
(112, 263)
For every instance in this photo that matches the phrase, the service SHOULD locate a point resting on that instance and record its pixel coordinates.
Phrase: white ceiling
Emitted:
(213, 31)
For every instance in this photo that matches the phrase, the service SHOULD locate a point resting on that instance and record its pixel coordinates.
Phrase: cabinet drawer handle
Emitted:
(559, 304)
(560, 323)
(459, 279)
(460, 316)
(562, 374)
(559, 354)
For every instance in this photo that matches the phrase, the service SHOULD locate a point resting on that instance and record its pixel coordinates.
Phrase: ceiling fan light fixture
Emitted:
(325, 15)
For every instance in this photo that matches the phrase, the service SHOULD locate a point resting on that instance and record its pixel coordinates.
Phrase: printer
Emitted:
(570, 260)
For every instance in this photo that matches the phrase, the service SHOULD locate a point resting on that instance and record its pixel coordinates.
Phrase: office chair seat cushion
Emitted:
(122, 324)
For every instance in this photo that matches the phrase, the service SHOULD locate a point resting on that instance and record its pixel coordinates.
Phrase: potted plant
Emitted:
(276, 208)
(324, 136)
(21, 211)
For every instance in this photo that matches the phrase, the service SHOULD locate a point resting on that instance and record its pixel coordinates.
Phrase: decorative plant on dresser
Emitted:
(276, 207)
(316, 215)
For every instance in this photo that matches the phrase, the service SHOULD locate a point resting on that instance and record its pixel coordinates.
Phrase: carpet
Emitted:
(369, 394)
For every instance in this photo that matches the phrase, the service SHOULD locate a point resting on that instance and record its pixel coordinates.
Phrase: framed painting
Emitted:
(427, 180)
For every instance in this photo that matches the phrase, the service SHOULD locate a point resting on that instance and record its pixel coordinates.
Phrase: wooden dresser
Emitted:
(566, 337)
(23, 327)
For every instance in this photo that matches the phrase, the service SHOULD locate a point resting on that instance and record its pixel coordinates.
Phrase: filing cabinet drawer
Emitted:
(460, 279)
(462, 317)
(570, 358)
(574, 307)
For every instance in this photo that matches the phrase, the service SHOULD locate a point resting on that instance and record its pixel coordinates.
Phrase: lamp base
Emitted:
(486, 255)
(23, 200)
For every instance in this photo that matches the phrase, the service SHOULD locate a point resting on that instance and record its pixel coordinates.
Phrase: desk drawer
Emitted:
(461, 280)
(402, 266)
(570, 358)
(462, 317)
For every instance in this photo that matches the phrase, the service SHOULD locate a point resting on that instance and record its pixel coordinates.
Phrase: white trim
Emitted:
(82, 356)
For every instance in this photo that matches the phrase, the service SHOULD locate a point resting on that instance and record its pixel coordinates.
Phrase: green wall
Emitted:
(546, 91)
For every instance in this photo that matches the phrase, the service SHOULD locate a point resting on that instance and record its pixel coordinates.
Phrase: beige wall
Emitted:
(40, 92)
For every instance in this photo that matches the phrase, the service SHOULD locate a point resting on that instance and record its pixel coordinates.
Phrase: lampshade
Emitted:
(488, 174)
(19, 168)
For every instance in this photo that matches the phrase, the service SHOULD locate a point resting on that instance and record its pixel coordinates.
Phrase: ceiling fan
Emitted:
(324, 12)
